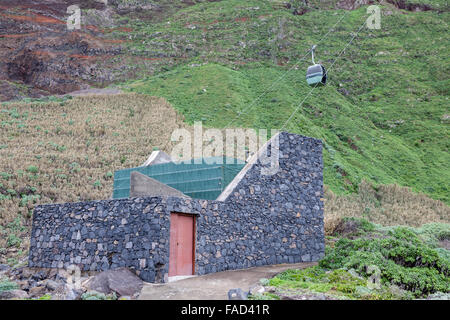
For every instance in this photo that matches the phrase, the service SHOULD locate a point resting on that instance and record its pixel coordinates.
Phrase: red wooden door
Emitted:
(182, 231)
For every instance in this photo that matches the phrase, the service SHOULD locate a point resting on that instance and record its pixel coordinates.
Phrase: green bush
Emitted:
(401, 257)
(26, 199)
(338, 282)
(5, 175)
(13, 240)
(7, 285)
(32, 169)
(432, 233)
(94, 295)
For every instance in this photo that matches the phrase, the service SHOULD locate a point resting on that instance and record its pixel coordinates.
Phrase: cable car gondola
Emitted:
(316, 74)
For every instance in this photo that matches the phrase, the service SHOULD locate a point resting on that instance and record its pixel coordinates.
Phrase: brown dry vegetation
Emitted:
(64, 152)
(386, 205)
(76, 144)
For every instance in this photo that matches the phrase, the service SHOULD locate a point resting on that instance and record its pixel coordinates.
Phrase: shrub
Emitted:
(6, 285)
(401, 257)
(432, 233)
(26, 199)
(340, 282)
(13, 240)
(109, 175)
(94, 295)
(5, 175)
(32, 169)
(353, 226)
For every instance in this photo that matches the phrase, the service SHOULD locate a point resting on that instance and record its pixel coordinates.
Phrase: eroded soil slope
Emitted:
(40, 56)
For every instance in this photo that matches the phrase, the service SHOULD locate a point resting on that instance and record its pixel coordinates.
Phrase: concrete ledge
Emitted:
(143, 186)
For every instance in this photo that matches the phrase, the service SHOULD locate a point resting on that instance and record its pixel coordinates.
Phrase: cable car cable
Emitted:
(281, 77)
(285, 74)
(309, 93)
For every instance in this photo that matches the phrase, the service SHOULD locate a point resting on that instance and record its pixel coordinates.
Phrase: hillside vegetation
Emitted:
(383, 117)
(388, 205)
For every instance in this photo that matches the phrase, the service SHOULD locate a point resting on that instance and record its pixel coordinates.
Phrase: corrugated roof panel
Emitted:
(204, 180)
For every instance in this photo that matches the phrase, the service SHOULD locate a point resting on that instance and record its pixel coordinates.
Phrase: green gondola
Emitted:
(316, 74)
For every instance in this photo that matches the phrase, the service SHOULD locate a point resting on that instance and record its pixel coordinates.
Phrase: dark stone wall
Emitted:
(264, 219)
(101, 235)
(268, 219)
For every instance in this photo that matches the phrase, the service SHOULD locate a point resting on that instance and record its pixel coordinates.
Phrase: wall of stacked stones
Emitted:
(266, 219)
(101, 235)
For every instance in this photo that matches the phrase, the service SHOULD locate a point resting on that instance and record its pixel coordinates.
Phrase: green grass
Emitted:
(317, 280)
(381, 117)
(264, 296)
(337, 283)
(355, 148)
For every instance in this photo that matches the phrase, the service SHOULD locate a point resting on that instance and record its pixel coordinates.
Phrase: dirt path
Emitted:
(95, 91)
(214, 286)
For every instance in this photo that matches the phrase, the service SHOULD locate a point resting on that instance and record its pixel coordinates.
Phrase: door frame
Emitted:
(194, 240)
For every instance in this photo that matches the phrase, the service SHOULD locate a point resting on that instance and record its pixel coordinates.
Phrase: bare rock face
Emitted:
(413, 6)
(351, 4)
(13, 294)
(37, 291)
(400, 4)
(237, 294)
(40, 56)
(121, 281)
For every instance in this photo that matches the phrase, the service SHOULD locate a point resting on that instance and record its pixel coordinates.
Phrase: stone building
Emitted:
(268, 214)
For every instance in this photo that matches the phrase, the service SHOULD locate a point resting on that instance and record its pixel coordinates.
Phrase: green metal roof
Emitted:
(204, 180)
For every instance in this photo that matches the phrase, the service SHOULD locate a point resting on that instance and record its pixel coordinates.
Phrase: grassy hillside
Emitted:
(383, 117)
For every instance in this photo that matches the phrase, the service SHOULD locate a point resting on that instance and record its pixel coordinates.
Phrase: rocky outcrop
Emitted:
(13, 294)
(61, 284)
(400, 4)
(121, 281)
(40, 56)
(352, 4)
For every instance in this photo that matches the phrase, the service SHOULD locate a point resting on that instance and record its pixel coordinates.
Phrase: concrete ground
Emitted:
(214, 286)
